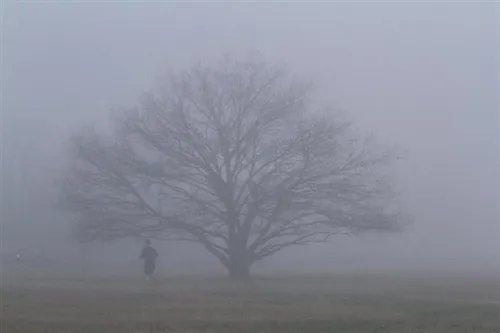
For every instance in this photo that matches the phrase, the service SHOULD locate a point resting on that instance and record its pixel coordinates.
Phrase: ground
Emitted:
(354, 303)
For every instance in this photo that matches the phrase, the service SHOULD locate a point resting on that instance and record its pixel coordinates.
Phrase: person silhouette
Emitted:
(149, 255)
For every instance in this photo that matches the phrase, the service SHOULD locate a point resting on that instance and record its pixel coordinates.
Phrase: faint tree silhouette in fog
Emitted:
(233, 157)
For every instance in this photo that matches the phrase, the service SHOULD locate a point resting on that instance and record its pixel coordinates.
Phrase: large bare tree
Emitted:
(232, 157)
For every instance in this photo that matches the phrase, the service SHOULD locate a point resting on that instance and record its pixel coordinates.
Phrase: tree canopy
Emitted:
(233, 157)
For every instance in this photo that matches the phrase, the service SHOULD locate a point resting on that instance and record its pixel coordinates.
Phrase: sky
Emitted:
(423, 76)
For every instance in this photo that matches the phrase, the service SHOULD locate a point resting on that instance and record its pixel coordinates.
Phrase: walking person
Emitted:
(149, 255)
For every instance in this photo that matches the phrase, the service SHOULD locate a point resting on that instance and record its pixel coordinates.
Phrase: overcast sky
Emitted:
(424, 76)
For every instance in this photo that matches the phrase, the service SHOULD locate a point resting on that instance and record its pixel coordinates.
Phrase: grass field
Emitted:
(279, 304)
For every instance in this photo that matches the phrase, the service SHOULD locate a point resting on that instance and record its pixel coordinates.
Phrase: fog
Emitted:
(422, 76)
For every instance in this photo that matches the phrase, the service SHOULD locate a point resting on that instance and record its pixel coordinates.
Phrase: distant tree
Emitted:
(232, 157)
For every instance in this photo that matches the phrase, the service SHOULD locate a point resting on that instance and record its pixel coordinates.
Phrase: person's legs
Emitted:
(149, 268)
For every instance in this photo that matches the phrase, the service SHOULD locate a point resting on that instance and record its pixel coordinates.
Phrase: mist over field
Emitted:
(421, 76)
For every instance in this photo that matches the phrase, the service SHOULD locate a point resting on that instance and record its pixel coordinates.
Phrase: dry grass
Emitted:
(349, 304)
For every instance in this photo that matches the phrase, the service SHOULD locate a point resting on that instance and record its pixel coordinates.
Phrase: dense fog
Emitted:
(421, 76)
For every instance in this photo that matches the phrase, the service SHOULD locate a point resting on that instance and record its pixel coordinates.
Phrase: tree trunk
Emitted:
(239, 270)
(239, 262)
